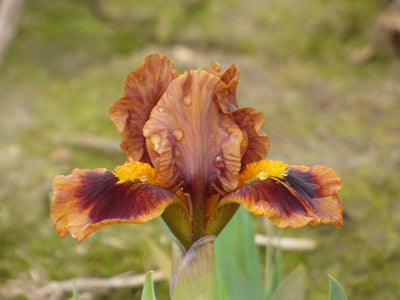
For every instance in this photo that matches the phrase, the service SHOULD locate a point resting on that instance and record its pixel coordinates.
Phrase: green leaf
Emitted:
(292, 287)
(336, 290)
(148, 288)
(195, 276)
(272, 262)
(237, 261)
(75, 293)
(273, 271)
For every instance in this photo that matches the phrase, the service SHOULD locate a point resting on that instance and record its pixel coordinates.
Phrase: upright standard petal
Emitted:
(192, 142)
(88, 200)
(290, 195)
(143, 88)
(226, 94)
(250, 121)
(194, 145)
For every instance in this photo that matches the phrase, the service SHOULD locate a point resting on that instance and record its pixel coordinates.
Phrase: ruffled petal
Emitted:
(191, 142)
(226, 94)
(143, 88)
(250, 121)
(194, 145)
(318, 185)
(88, 200)
(294, 198)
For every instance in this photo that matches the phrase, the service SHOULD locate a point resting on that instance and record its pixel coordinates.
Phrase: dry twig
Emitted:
(57, 289)
(286, 243)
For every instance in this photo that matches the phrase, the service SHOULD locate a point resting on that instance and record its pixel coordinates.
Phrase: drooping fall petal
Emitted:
(318, 185)
(143, 88)
(88, 200)
(293, 197)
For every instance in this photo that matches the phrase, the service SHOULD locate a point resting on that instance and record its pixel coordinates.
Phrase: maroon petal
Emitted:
(300, 196)
(88, 200)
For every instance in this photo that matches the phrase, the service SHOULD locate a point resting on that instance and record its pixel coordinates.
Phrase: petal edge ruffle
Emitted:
(304, 195)
(143, 88)
(88, 200)
(190, 141)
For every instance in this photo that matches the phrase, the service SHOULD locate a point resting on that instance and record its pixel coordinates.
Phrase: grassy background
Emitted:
(67, 65)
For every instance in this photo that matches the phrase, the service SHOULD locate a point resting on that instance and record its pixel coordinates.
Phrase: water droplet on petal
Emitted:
(143, 177)
(178, 134)
(146, 132)
(177, 153)
(161, 108)
(219, 161)
(155, 140)
(187, 100)
(262, 175)
(259, 208)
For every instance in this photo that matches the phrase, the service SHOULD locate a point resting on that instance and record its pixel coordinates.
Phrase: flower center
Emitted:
(135, 170)
(262, 170)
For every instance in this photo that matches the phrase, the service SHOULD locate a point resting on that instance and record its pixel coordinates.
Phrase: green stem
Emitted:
(198, 199)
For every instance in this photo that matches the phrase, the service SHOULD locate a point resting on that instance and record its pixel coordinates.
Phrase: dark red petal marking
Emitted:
(88, 200)
(305, 195)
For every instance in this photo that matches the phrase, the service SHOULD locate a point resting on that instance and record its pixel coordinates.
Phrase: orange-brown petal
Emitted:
(226, 95)
(250, 120)
(192, 142)
(304, 195)
(88, 200)
(143, 88)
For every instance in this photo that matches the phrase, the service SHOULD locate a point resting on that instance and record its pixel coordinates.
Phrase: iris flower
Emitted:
(193, 158)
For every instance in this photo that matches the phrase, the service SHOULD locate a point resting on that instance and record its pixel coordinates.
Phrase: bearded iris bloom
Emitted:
(193, 158)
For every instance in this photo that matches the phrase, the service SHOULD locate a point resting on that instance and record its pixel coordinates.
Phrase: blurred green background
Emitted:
(67, 65)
